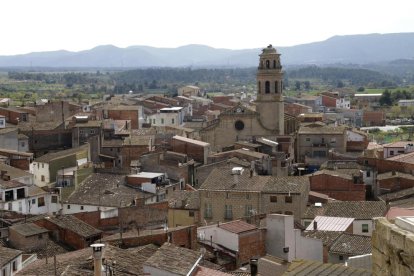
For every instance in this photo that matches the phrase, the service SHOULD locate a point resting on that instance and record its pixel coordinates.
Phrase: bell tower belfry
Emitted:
(269, 101)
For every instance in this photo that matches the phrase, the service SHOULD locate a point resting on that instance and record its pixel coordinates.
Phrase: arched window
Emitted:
(267, 87)
(267, 64)
(276, 87)
(274, 64)
(259, 90)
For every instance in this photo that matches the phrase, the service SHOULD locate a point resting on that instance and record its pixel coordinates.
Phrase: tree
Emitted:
(361, 89)
(307, 85)
(386, 98)
(297, 85)
(340, 84)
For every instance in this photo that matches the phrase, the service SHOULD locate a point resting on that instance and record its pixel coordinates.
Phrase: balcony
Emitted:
(320, 145)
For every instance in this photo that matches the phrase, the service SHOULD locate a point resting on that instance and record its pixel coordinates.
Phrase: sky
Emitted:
(74, 25)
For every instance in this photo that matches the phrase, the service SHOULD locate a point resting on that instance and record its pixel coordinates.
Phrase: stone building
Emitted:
(268, 120)
(231, 193)
(316, 139)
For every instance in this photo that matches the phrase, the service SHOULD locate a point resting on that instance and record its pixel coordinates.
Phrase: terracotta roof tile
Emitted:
(351, 245)
(315, 268)
(237, 226)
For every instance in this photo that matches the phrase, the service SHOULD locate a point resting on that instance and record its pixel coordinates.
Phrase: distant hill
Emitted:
(350, 49)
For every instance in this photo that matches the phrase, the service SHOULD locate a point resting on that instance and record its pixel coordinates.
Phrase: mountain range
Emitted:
(349, 49)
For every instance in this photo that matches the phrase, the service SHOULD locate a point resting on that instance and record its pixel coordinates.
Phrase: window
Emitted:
(307, 139)
(341, 258)
(274, 65)
(248, 210)
(153, 121)
(34, 201)
(43, 178)
(267, 64)
(1, 123)
(191, 214)
(68, 207)
(162, 121)
(368, 173)
(43, 165)
(273, 198)
(267, 87)
(14, 266)
(333, 140)
(391, 152)
(228, 212)
(41, 202)
(288, 199)
(227, 195)
(22, 144)
(172, 121)
(40, 236)
(208, 212)
(365, 228)
(248, 196)
(92, 131)
(289, 213)
(81, 207)
(81, 131)
(54, 199)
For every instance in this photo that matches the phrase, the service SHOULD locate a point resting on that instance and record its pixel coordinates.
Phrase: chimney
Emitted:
(97, 258)
(315, 225)
(253, 267)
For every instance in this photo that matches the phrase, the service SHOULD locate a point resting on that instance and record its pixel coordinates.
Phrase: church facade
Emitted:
(268, 120)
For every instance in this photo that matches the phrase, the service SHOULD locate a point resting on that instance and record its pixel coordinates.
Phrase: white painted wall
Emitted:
(38, 169)
(357, 227)
(78, 208)
(8, 267)
(219, 236)
(49, 208)
(281, 234)
(360, 261)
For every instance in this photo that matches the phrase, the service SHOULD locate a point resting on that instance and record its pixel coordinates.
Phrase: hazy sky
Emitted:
(42, 25)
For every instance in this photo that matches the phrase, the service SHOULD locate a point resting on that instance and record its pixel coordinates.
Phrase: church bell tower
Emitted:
(269, 102)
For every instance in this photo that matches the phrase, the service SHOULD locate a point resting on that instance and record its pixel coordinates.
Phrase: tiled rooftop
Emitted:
(28, 229)
(8, 254)
(315, 268)
(327, 237)
(75, 225)
(350, 209)
(54, 155)
(14, 172)
(394, 174)
(174, 259)
(184, 200)
(222, 179)
(102, 189)
(351, 245)
(237, 226)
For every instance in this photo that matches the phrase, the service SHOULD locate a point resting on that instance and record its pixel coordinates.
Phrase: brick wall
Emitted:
(27, 243)
(328, 101)
(192, 150)
(251, 244)
(184, 237)
(395, 184)
(125, 115)
(337, 187)
(132, 152)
